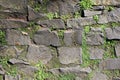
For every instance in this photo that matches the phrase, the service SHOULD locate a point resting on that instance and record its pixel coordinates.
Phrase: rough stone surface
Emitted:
(28, 70)
(114, 15)
(39, 53)
(117, 49)
(78, 36)
(106, 2)
(68, 37)
(2, 71)
(103, 19)
(69, 55)
(112, 33)
(32, 15)
(116, 79)
(17, 61)
(91, 13)
(12, 23)
(63, 7)
(15, 37)
(93, 38)
(77, 23)
(54, 23)
(110, 64)
(99, 76)
(96, 53)
(46, 37)
(9, 77)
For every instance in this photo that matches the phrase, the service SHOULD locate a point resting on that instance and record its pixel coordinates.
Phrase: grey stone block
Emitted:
(69, 55)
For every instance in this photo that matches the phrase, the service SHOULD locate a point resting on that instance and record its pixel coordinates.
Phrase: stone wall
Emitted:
(59, 40)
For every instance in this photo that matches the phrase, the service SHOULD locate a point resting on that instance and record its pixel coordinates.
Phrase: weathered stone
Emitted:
(78, 71)
(78, 36)
(106, 2)
(112, 33)
(9, 77)
(28, 71)
(32, 15)
(54, 23)
(78, 78)
(63, 7)
(19, 5)
(2, 71)
(15, 37)
(69, 55)
(68, 37)
(77, 23)
(17, 61)
(39, 53)
(103, 19)
(46, 37)
(110, 64)
(98, 7)
(114, 15)
(12, 23)
(99, 76)
(117, 49)
(99, 30)
(91, 13)
(96, 53)
(93, 38)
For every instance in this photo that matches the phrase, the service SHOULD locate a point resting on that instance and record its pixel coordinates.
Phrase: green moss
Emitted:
(1, 77)
(2, 38)
(66, 77)
(96, 18)
(10, 69)
(86, 4)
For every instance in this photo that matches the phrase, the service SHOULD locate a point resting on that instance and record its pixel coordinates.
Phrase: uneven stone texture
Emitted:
(114, 15)
(93, 38)
(78, 36)
(91, 13)
(106, 2)
(17, 61)
(96, 53)
(2, 71)
(99, 76)
(46, 37)
(15, 37)
(103, 19)
(117, 49)
(28, 70)
(77, 23)
(32, 15)
(69, 55)
(9, 77)
(13, 9)
(112, 33)
(63, 7)
(54, 23)
(68, 37)
(77, 70)
(116, 79)
(12, 23)
(39, 53)
(110, 64)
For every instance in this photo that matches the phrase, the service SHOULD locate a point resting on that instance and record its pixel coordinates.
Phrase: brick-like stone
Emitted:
(93, 38)
(12, 23)
(15, 37)
(69, 55)
(96, 53)
(46, 37)
(91, 13)
(110, 64)
(117, 49)
(113, 33)
(68, 37)
(99, 76)
(39, 53)
(54, 23)
(77, 23)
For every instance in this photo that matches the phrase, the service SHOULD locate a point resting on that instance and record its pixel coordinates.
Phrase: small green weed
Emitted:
(41, 74)
(86, 4)
(66, 77)
(96, 18)
(2, 37)
(76, 14)
(109, 8)
(50, 15)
